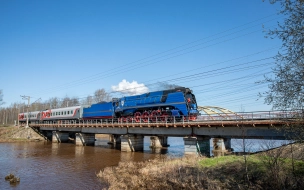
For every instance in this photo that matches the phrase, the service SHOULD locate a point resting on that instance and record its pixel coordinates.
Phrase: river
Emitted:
(47, 165)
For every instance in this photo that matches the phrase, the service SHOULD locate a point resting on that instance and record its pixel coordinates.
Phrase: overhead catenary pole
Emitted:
(28, 98)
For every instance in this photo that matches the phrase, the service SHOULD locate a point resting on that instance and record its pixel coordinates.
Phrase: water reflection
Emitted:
(55, 148)
(159, 150)
(79, 150)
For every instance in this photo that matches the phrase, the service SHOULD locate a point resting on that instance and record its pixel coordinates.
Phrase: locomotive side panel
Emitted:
(176, 102)
(99, 111)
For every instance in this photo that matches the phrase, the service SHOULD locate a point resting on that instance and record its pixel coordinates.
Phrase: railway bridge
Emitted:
(218, 123)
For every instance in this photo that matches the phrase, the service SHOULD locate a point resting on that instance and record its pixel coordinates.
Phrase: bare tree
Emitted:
(101, 95)
(74, 101)
(88, 101)
(65, 102)
(54, 102)
(286, 89)
(1, 98)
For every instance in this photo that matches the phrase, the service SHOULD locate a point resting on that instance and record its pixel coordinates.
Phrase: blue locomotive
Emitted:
(168, 105)
(178, 103)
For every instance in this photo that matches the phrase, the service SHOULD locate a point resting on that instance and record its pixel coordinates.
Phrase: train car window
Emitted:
(71, 111)
(64, 112)
(68, 112)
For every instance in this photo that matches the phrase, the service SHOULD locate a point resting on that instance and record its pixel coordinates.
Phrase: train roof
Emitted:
(66, 108)
(31, 112)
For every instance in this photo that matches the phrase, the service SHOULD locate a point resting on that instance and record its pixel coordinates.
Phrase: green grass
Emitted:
(212, 162)
(255, 163)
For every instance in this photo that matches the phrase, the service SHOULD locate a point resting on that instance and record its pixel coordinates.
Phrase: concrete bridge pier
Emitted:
(59, 136)
(158, 141)
(195, 145)
(84, 139)
(132, 143)
(114, 139)
(221, 146)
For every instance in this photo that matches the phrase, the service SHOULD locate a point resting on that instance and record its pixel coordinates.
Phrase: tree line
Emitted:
(9, 114)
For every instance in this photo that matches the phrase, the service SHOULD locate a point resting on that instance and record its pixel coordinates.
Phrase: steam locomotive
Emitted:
(160, 106)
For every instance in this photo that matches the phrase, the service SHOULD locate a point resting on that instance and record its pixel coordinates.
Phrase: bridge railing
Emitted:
(262, 115)
(203, 118)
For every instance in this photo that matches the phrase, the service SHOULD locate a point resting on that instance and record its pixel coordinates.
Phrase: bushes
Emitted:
(154, 174)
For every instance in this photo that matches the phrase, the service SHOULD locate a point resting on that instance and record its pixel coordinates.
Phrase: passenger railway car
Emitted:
(33, 117)
(67, 113)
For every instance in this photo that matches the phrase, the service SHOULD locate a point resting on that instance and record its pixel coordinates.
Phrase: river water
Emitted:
(46, 165)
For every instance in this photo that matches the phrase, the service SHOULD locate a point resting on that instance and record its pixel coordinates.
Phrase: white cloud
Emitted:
(130, 88)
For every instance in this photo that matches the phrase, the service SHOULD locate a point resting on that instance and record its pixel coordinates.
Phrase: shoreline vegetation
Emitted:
(265, 170)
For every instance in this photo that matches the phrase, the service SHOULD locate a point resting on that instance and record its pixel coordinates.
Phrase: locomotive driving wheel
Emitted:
(165, 117)
(129, 119)
(145, 116)
(153, 116)
(137, 117)
(123, 119)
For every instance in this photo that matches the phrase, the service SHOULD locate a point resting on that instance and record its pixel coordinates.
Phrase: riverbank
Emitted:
(17, 134)
(266, 170)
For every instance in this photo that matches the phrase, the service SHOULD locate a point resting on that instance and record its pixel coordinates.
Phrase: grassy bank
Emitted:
(228, 172)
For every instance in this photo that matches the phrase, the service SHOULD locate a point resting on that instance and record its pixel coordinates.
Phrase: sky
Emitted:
(55, 48)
